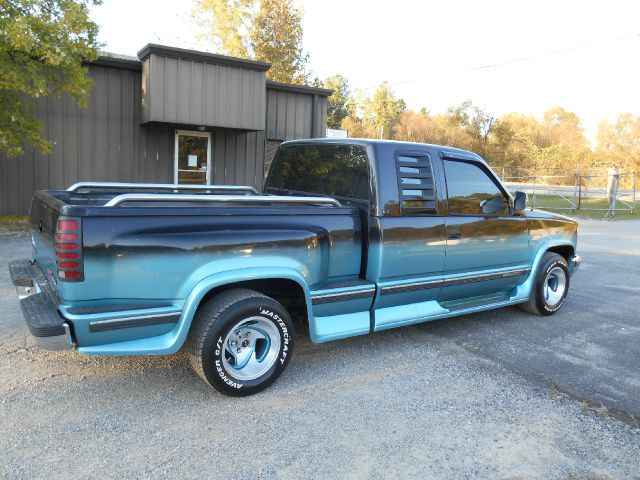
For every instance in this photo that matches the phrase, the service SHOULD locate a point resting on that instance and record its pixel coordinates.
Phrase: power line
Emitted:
(524, 59)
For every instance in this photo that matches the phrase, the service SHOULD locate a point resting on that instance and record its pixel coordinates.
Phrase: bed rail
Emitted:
(160, 186)
(146, 197)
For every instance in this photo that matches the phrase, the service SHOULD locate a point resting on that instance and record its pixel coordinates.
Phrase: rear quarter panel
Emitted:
(161, 258)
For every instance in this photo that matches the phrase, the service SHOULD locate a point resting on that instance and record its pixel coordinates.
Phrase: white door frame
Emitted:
(175, 154)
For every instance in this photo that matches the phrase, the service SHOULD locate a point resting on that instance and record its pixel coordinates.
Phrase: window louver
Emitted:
(415, 184)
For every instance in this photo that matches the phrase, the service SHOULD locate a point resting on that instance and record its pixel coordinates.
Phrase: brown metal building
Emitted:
(169, 116)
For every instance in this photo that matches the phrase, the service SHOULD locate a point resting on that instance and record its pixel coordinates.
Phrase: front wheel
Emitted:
(550, 287)
(241, 342)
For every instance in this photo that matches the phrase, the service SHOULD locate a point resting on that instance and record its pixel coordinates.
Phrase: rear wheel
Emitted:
(241, 342)
(550, 287)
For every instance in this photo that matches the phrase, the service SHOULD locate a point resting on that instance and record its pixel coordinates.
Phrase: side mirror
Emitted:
(493, 205)
(520, 201)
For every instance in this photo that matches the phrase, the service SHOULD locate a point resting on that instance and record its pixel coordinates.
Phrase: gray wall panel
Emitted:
(240, 93)
(104, 142)
(291, 114)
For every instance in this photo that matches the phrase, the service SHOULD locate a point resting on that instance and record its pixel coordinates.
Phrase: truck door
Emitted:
(407, 238)
(486, 245)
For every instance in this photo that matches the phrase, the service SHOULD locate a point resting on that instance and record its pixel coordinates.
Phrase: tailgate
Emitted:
(57, 239)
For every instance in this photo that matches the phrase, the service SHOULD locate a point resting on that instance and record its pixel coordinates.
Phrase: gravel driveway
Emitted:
(457, 399)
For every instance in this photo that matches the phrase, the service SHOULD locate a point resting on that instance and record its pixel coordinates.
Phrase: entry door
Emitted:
(193, 158)
(487, 246)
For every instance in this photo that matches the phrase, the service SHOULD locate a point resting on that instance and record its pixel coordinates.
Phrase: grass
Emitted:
(14, 224)
(558, 204)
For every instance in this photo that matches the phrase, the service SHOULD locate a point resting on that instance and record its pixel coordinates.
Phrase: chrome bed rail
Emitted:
(176, 197)
(160, 186)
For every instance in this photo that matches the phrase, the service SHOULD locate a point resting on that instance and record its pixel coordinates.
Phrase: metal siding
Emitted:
(322, 124)
(180, 91)
(197, 93)
(127, 127)
(104, 141)
(210, 93)
(114, 124)
(290, 115)
(168, 82)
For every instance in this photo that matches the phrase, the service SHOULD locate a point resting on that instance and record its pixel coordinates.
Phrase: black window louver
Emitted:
(415, 184)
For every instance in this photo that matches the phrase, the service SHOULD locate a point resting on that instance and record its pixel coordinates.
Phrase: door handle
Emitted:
(454, 233)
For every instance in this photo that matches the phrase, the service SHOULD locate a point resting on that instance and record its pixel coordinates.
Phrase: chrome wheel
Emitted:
(555, 285)
(251, 348)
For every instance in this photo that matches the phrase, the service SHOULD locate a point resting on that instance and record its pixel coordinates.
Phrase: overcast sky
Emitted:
(431, 51)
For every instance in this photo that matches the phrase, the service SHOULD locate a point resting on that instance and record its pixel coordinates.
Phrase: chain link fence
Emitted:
(595, 190)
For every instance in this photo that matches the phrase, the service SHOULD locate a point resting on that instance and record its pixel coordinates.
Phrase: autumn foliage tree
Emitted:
(276, 38)
(266, 30)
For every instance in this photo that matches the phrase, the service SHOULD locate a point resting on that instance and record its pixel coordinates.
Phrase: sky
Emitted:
(432, 52)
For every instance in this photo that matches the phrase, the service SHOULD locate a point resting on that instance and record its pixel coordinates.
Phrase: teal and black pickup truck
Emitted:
(350, 237)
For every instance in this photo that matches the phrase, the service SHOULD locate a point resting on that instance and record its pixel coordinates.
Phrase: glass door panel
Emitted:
(192, 158)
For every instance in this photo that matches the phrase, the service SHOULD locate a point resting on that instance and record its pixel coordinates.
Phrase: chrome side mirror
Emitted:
(520, 201)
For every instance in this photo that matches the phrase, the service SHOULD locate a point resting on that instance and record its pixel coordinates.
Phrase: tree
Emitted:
(338, 102)
(619, 142)
(382, 111)
(474, 123)
(226, 24)
(276, 37)
(564, 128)
(43, 44)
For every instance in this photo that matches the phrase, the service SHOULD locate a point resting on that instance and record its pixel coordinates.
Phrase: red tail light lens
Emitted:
(71, 225)
(68, 264)
(66, 236)
(69, 249)
(74, 275)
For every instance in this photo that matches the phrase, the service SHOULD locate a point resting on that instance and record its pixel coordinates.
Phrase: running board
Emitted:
(456, 305)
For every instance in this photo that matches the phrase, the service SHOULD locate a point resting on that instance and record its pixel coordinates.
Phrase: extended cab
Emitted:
(350, 236)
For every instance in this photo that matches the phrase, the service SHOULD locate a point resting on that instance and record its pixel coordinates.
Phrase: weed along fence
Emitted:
(605, 191)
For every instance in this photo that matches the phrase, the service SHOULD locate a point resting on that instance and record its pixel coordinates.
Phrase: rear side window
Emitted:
(334, 170)
(471, 191)
(415, 184)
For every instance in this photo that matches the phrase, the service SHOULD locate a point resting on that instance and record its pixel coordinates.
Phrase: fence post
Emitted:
(579, 191)
(633, 208)
(575, 187)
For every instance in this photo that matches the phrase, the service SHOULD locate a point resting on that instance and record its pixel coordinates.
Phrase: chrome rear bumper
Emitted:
(39, 307)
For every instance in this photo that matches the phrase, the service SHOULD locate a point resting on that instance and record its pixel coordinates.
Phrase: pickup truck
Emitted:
(350, 237)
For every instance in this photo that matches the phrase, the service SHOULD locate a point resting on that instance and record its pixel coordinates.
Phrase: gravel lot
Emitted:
(493, 395)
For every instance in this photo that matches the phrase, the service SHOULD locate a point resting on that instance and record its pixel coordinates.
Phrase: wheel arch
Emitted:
(282, 284)
(286, 291)
(567, 251)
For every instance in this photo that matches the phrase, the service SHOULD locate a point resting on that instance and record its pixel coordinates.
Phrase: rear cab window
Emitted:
(321, 169)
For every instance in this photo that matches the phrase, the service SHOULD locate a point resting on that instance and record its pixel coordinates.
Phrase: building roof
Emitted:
(117, 60)
(152, 48)
(288, 87)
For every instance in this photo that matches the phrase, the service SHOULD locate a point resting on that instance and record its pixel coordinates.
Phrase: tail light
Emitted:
(68, 244)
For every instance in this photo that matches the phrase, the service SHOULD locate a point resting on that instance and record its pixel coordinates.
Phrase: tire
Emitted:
(240, 342)
(550, 287)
